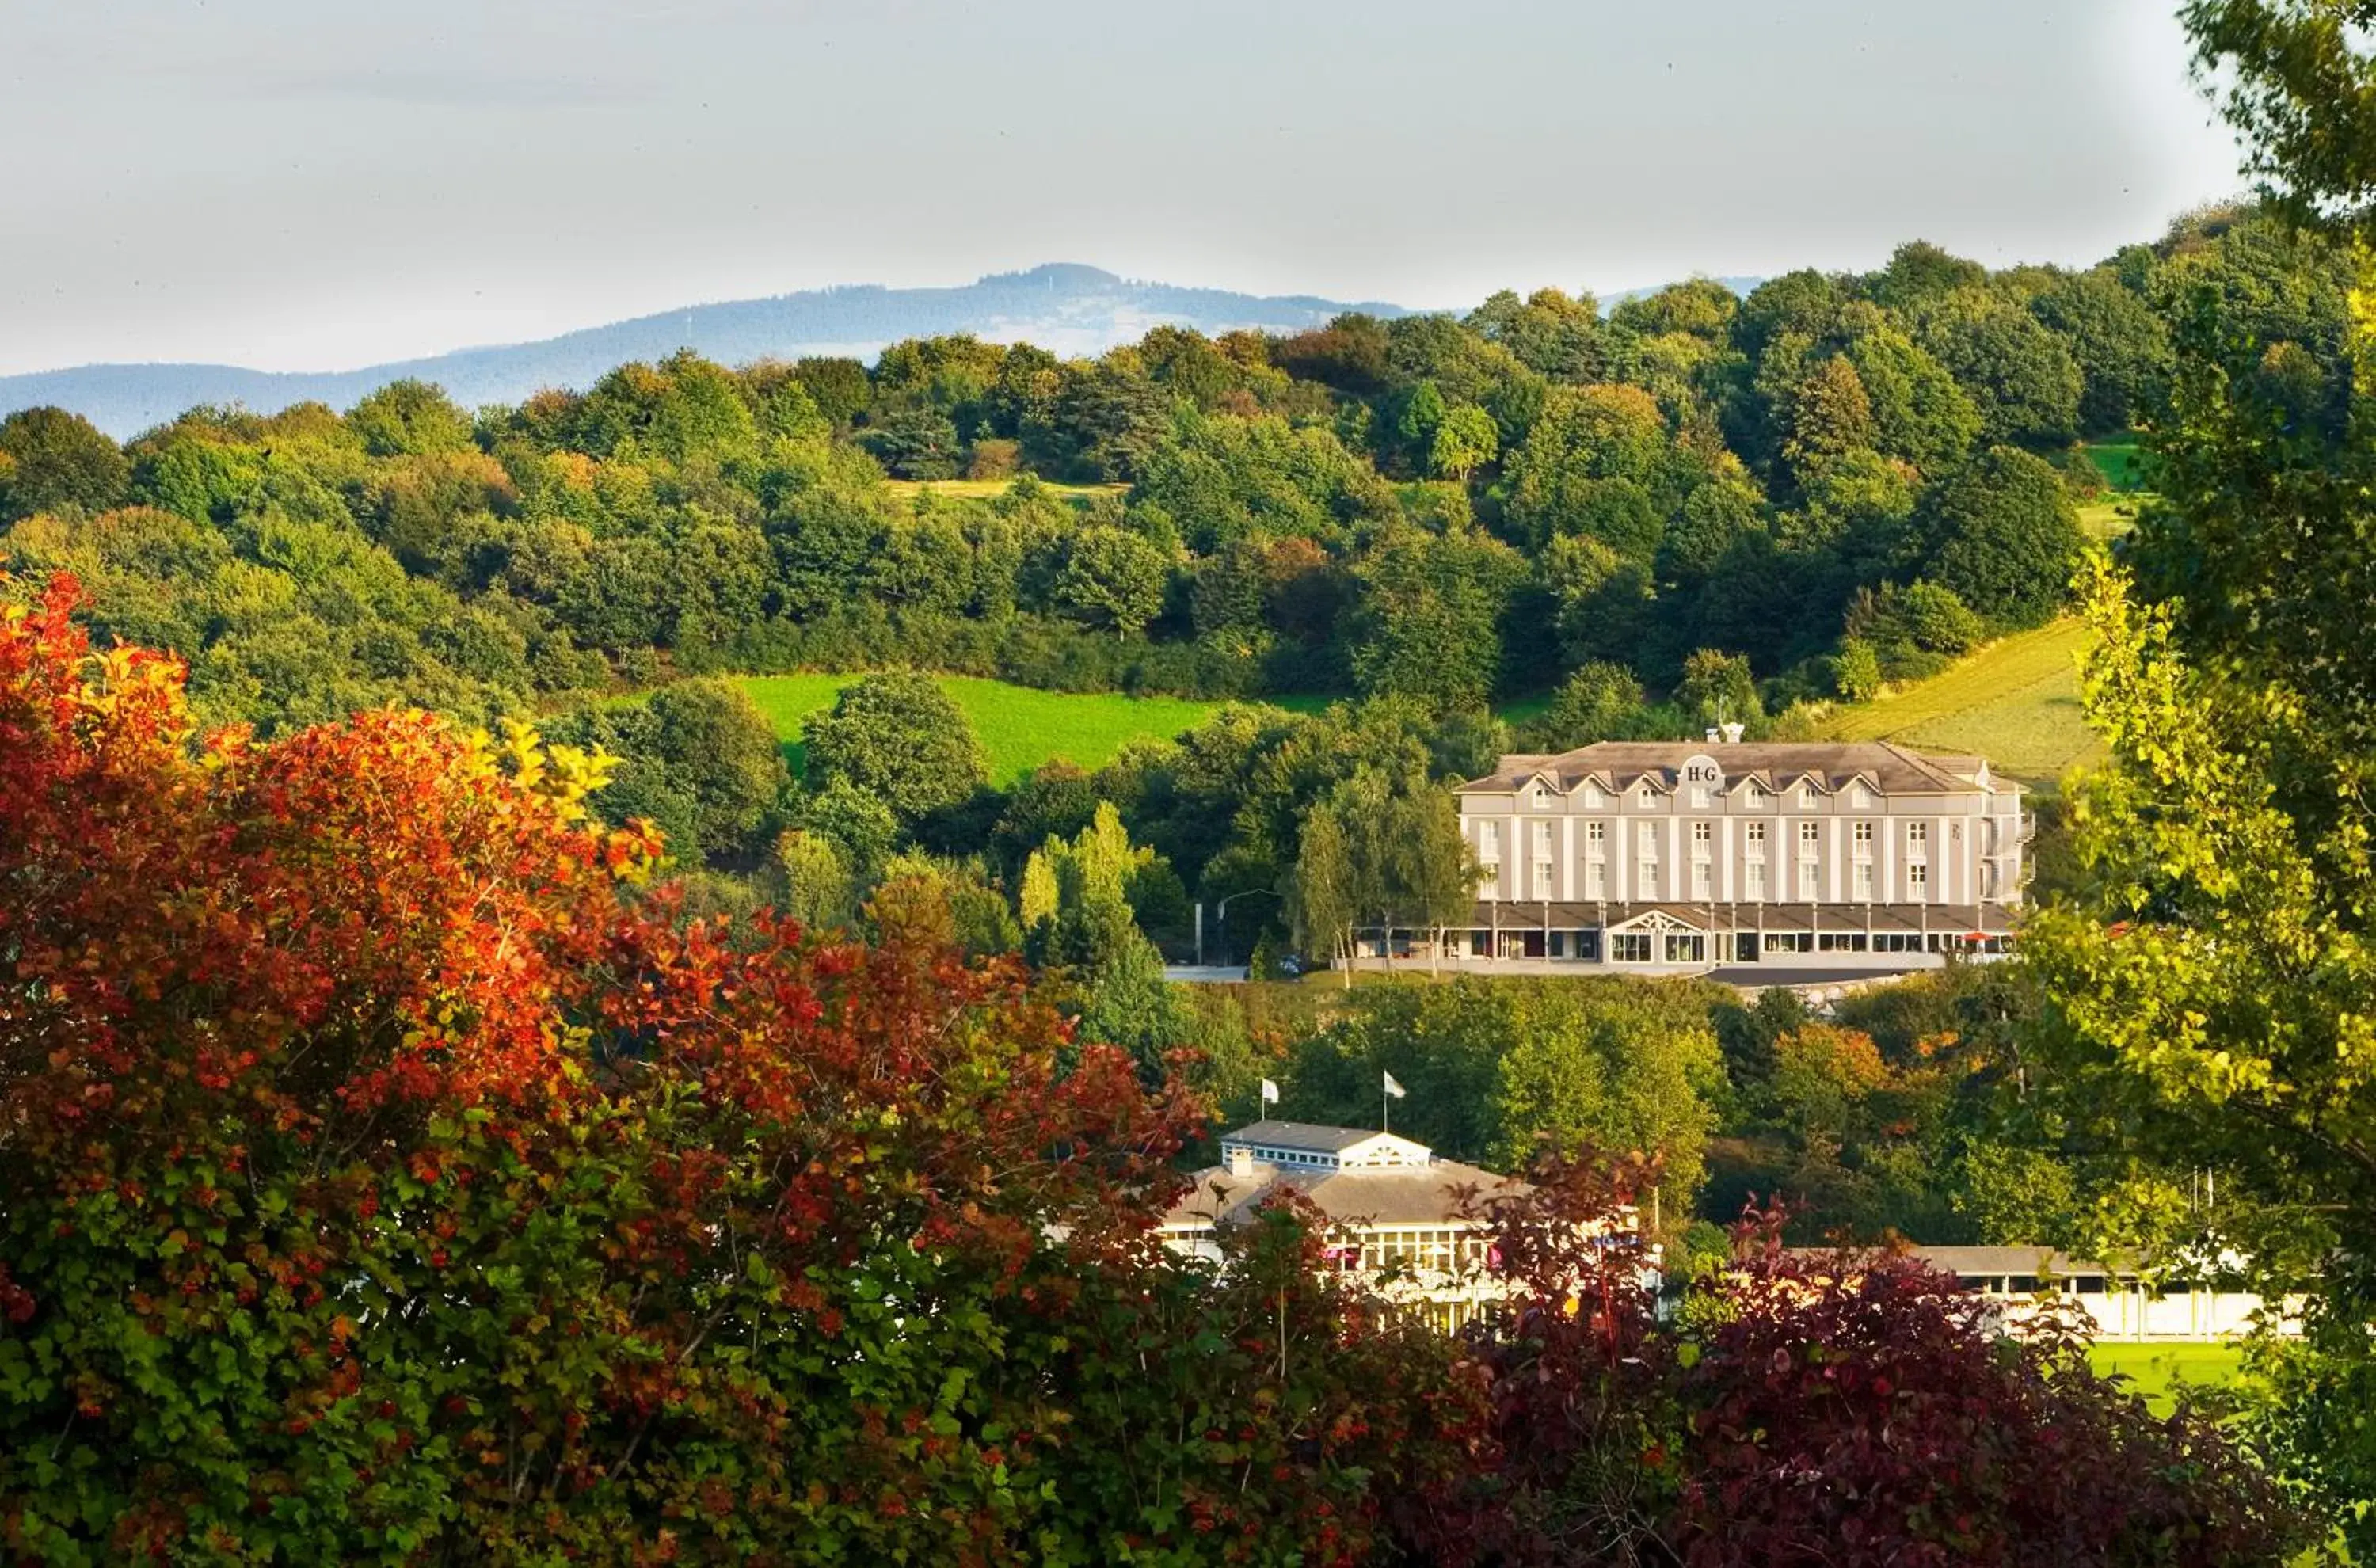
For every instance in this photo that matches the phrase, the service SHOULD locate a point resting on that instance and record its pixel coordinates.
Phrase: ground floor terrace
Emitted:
(1742, 941)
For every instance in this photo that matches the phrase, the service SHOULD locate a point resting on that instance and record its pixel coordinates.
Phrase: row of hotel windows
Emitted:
(1646, 835)
(1703, 793)
(1646, 865)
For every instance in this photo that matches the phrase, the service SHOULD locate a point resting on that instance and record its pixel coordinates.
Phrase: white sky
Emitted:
(323, 184)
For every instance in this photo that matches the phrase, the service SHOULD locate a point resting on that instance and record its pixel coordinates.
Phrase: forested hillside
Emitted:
(1690, 504)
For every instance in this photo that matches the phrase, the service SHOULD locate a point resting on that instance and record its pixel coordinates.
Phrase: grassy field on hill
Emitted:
(1020, 727)
(2015, 702)
(2107, 519)
(988, 489)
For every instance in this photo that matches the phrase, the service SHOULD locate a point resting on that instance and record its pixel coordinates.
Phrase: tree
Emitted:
(2297, 82)
(813, 880)
(895, 736)
(1720, 688)
(1829, 416)
(714, 744)
(1113, 578)
(56, 459)
(1919, 414)
(410, 419)
(1601, 701)
(2002, 536)
(1586, 438)
(916, 443)
(1322, 895)
(1464, 441)
(1919, 272)
(1428, 623)
(2022, 376)
(838, 387)
(2122, 348)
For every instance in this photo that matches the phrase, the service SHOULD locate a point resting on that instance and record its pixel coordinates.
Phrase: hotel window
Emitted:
(1596, 880)
(1859, 796)
(1811, 840)
(1593, 798)
(1918, 838)
(1702, 887)
(1917, 877)
(1756, 878)
(1864, 836)
(1645, 879)
(1703, 839)
(1489, 845)
(1646, 838)
(1543, 841)
(1646, 795)
(1700, 797)
(1629, 947)
(1542, 797)
(1810, 888)
(1752, 797)
(1864, 882)
(1543, 880)
(1596, 840)
(1754, 832)
(1806, 797)
(1686, 947)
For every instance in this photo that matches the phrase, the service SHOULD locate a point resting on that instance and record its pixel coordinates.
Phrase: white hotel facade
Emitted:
(1681, 858)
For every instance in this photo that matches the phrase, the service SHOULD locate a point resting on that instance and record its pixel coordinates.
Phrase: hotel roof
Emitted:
(1618, 766)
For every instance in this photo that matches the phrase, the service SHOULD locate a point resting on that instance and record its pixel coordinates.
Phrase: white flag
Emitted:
(1270, 1092)
(1393, 1088)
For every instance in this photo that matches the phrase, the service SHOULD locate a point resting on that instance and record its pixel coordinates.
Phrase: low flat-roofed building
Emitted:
(2124, 1303)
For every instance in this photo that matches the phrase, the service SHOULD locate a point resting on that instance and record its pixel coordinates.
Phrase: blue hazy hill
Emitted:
(1066, 308)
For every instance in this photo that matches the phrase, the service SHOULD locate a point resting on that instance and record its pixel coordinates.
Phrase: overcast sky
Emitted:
(324, 183)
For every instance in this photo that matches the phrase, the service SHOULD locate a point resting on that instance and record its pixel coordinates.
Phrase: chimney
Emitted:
(1241, 1163)
(1712, 734)
(1732, 733)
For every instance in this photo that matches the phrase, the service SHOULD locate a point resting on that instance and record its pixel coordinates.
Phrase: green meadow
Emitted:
(2014, 702)
(2159, 1371)
(1020, 727)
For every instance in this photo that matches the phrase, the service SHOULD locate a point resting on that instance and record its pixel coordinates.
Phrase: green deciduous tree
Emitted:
(55, 459)
(1601, 701)
(1464, 441)
(895, 736)
(2002, 535)
(2023, 378)
(1113, 578)
(410, 419)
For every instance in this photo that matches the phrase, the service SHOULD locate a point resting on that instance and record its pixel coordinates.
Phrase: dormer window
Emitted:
(1860, 797)
(1593, 800)
(1542, 797)
(1752, 797)
(1646, 796)
(1806, 797)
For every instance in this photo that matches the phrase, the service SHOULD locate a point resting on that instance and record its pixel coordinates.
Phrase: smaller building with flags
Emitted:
(1397, 1208)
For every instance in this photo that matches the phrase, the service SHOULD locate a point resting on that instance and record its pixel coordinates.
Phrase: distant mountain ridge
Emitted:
(1064, 308)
